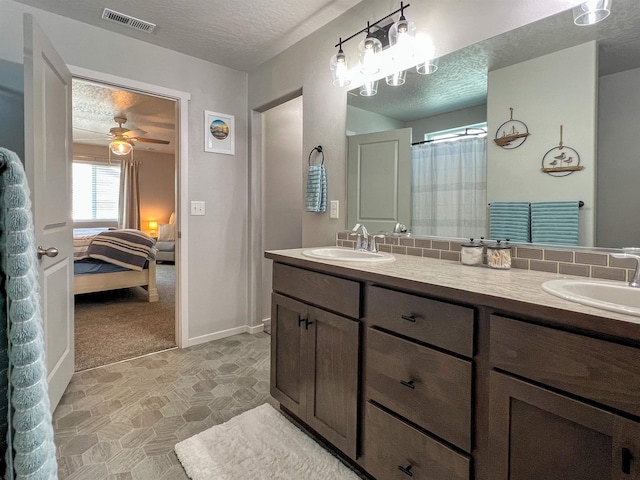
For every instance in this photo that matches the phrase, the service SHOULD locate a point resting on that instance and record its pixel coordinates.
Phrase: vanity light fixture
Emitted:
(591, 12)
(391, 63)
(120, 147)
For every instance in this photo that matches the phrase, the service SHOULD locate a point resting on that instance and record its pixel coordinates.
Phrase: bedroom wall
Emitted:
(217, 243)
(157, 181)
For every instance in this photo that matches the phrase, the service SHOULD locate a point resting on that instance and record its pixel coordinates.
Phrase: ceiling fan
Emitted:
(123, 138)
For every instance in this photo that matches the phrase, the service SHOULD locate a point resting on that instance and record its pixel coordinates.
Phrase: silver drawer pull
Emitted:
(408, 384)
(409, 318)
(406, 470)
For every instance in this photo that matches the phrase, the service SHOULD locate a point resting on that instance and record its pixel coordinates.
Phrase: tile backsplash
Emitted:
(594, 264)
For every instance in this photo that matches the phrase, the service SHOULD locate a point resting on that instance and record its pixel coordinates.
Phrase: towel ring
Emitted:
(319, 149)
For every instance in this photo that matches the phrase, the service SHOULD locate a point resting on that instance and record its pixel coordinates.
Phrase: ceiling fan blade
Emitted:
(136, 132)
(150, 140)
(87, 130)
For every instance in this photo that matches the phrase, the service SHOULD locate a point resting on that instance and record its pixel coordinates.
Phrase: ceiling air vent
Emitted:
(128, 20)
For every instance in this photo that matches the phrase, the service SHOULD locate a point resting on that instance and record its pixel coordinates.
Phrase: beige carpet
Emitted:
(121, 324)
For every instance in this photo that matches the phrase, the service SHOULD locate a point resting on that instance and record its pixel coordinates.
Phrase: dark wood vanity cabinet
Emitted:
(562, 404)
(315, 353)
(410, 385)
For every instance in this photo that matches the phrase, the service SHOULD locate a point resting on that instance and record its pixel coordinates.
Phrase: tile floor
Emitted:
(121, 421)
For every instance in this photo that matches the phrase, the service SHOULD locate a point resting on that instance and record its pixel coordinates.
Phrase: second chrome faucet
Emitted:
(362, 241)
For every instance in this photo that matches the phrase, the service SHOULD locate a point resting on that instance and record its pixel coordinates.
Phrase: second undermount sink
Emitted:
(613, 296)
(348, 255)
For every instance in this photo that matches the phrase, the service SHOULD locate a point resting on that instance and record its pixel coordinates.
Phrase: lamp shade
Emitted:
(369, 89)
(339, 65)
(591, 12)
(428, 67)
(402, 36)
(396, 79)
(120, 147)
(367, 54)
(153, 226)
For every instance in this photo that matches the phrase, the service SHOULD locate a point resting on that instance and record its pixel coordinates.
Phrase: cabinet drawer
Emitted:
(428, 388)
(438, 323)
(331, 293)
(391, 444)
(602, 371)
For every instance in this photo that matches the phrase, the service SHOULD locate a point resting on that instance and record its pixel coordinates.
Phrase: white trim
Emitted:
(224, 334)
(255, 220)
(182, 99)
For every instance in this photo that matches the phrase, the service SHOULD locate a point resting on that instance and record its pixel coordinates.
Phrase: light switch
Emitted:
(335, 209)
(197, 208)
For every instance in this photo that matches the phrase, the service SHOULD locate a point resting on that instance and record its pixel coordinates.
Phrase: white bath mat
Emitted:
(258, 444)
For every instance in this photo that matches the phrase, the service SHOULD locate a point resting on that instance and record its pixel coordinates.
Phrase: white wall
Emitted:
(446, 121)
(618, 160)
(361, 121)
(218, 242)
(452, 25)
(546, 92)
(281, 188)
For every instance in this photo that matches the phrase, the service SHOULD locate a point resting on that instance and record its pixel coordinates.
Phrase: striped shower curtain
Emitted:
(449, 188)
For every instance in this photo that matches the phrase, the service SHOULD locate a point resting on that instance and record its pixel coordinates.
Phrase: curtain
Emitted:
(129, 201)
(449, 188)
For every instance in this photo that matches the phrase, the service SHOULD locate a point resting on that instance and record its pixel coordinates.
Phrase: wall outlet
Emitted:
(197, 208)
(335, 209)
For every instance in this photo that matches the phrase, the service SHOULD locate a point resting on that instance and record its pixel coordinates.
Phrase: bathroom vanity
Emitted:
(428, 369)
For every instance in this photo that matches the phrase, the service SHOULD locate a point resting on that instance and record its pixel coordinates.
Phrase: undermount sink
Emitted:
(613, 296)
(348, 255)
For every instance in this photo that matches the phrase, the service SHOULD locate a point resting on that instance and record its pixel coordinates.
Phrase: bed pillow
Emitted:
(166, 232)
(172, 218)
(128, 248)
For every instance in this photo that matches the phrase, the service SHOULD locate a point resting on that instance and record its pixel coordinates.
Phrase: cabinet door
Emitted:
(332, 353)
(287, 370)
(538, 434)
(626, 450)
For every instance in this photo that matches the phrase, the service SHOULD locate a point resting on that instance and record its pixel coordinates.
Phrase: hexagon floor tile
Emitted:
(122, 421)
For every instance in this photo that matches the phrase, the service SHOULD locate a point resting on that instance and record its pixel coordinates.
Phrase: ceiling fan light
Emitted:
(591, 12)
(120, 147)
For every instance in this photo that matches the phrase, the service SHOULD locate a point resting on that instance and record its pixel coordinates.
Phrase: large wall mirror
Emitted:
(464, 91)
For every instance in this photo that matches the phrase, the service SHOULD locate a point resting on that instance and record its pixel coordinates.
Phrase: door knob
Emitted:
(49, 252)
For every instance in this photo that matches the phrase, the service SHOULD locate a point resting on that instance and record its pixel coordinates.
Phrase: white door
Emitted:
(48, 143)
(379, 180)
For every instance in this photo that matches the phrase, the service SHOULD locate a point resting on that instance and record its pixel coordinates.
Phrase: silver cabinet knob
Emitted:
(49, 252)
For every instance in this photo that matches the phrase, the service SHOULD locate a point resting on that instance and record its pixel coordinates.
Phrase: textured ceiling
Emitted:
(461, 79)
(240, 34)
(95, 106)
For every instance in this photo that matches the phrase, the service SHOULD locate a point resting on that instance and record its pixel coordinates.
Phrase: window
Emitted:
(96, 189)
(479, 129)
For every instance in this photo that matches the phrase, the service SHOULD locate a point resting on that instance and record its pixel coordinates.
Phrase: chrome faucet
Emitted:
(635, 281)
(363, 240)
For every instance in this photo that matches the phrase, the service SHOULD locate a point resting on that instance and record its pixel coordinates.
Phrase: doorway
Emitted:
(117, 324)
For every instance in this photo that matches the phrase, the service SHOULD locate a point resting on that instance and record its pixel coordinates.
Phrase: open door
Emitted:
(48, 143)
(379, 180)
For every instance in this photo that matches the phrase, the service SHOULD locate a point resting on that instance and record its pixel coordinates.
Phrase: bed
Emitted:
(114, 259)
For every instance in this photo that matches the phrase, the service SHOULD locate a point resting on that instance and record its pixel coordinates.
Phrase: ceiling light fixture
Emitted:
(591, 12)
(120, 146)
(390, 64)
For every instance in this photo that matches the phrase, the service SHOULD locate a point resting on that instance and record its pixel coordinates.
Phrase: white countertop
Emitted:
(515, 284)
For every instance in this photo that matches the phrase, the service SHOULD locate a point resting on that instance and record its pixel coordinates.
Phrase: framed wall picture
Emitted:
(219, 133)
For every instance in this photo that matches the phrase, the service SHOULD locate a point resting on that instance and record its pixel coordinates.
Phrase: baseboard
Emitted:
(225, 333)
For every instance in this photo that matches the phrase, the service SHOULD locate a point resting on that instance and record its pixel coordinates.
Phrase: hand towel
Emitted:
(555, 222)
(30, 449)
(509, 220)
(316, 189)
